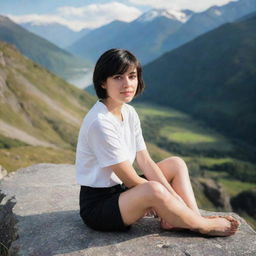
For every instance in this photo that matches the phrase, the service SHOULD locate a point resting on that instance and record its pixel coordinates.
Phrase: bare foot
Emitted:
(220, 226)
(166, 226)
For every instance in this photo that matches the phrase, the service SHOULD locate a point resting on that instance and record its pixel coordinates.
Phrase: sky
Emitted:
(79, 14)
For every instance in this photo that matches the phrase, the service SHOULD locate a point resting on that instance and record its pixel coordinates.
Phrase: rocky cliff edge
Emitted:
(48, 223)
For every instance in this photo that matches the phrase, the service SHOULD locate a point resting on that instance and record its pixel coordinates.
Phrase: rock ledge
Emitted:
(49, 223)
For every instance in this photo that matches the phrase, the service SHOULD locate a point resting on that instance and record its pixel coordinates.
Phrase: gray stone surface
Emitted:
(7, 224)
(3, 172)
(49, 223)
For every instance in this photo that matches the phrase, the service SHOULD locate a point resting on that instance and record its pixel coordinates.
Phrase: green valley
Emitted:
(208, 154)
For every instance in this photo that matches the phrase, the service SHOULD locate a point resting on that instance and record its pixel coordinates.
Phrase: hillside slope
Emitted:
(213, 78)
(56, 33)
(40, 50)
(36, 107)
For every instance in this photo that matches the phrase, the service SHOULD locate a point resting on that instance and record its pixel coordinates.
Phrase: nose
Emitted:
(127, 81)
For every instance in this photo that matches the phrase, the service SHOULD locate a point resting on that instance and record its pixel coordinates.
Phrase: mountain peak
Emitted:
(215, 10)
(4, 18)
(170, 14)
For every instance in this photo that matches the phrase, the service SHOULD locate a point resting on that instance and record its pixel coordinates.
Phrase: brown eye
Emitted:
(117, 77)
(133, 77)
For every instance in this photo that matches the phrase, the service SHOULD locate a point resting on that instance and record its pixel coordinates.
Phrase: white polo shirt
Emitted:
(104, 141)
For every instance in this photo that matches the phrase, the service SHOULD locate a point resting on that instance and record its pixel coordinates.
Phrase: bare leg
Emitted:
(134, 203)
(176, 172)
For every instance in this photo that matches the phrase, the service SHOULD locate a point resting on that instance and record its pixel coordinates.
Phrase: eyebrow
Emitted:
(131, 73)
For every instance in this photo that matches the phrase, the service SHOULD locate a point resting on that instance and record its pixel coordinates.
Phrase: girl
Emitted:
(112, 195)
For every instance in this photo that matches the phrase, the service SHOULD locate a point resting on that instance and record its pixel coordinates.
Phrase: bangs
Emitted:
(121, 69)
(120, 64)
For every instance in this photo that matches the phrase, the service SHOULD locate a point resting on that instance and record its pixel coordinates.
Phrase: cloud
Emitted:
(38, 19)
(99, 14)
(198, 5)
(77, 18)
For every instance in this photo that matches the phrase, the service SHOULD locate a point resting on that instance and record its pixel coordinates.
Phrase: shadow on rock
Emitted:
(63, 232)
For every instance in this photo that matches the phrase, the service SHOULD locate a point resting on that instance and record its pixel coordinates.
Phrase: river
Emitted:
(82, 79)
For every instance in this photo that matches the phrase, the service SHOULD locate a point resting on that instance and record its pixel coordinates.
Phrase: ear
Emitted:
(103, 85)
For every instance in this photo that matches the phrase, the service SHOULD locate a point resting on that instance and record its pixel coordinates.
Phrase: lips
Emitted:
(128, 92)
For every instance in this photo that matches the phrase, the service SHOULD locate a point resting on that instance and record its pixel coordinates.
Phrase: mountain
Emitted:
(158, 31)
(143, 36)
(40, 50)
(205, 21)
(213, 78)
(58, 34)
(250, 15)
(170, 14)
(92, 45)
(36, 107)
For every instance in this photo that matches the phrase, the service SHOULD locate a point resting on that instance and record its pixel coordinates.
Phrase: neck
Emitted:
(113, 107)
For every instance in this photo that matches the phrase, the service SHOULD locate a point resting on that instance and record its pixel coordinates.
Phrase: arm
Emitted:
(126, 173)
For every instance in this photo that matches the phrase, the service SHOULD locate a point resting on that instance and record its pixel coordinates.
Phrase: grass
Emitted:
(36, 118)
(210, 162)
(156, 111)
(6, 142)
(217, 174)
(62, 92)
(234, 187)
(157, 153)
(185, 136)
(251, 221)
(176, 127)
(20, 157)
(192, 134)
(3, 250)
(202, 201)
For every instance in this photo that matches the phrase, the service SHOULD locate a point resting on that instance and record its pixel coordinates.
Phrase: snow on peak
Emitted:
(170, 14)
(215, 10)
(218, 12)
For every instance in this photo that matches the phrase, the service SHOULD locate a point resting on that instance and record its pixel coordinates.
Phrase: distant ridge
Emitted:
(143, 37)
(207, 20)
(58, 34)
(40, 50)
(158, 30)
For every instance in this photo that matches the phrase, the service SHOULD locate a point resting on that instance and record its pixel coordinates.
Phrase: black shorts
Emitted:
(99, 208)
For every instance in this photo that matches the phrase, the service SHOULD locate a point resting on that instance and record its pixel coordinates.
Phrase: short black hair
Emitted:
(113, 62)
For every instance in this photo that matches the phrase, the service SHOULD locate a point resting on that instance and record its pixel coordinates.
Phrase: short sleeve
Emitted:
(140, 143)
(105, 142)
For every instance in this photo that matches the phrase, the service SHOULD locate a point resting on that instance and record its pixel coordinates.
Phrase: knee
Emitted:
(156, 190)
(179, 164)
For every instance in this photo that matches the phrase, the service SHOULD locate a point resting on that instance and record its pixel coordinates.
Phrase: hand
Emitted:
(151, 212)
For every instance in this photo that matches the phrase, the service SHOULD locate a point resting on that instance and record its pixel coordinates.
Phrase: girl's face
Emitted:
(121, 88)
